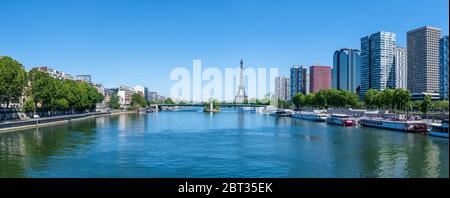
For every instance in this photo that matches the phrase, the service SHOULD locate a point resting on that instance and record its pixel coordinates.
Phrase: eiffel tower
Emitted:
(241, 96)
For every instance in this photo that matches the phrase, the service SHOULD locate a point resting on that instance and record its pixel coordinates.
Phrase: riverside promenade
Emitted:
(39, 122)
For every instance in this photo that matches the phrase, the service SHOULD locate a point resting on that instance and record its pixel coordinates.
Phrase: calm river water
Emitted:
(229, 144)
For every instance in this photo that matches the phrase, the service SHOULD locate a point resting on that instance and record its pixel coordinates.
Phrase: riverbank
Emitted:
(51, 121)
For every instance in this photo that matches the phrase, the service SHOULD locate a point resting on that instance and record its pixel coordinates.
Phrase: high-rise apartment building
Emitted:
(401, 68)
(377, 61)
(423, 60)
(346, 72)
(443, 68)
(320, 78)
(298, 80)
(282, 88)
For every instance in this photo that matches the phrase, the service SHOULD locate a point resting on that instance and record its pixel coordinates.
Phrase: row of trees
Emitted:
(62, 95)
(323, 99)
(393, 99)
(43, 92)
(390, 99)
(428, 105)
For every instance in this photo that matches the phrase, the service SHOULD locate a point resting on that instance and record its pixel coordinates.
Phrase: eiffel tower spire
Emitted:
(241, 96)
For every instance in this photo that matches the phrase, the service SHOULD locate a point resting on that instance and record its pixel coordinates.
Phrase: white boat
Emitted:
(266, 110)
(341, 120)
(318, 117)
(439, 130)
(283, 113)
(394, 124)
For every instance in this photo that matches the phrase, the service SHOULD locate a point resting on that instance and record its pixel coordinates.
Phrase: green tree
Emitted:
(350, 99)
(416, 105)
(138, 101)
(309, 100)
(70, 93)
(387, 96)
(298, 100)
(215, 103)
(426, 104)
(40, 90)
(401, 99)
(440, 106)
(13, 79)
(409, 106)
(114, 102)
(282, 104)
(28, 106)
(168, 101)
(320, 99)
(370, 98)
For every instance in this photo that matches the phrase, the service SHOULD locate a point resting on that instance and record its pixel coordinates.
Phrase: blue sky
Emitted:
(139, 42)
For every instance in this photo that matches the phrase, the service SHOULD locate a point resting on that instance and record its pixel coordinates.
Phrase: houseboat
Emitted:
(318, 117)
(439, 130)
(397, 124)
(341, 120)
(282, 113)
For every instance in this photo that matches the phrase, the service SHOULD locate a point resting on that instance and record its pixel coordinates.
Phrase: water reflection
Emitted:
(19, 151)
(229, 144)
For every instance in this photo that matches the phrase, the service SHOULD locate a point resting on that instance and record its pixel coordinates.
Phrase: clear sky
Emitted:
(139, 42)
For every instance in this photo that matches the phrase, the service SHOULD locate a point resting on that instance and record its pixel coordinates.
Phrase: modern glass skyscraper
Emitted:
(423, 60)
(346, 72)
(298, 80)
(443, 67)
(377, 61)
(401, 66)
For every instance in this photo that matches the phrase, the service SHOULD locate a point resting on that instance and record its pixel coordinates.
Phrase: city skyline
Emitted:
(128, 54)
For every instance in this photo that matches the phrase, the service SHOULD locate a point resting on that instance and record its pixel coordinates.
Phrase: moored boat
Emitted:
(141, 111)
(341, 120)
(282, 113)
(318, 117)
(412, 126)
(439, 130)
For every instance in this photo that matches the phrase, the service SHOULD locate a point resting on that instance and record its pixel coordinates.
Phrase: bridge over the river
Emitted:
(225, 105)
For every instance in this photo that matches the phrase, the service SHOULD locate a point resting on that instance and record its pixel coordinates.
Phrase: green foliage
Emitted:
(426, 104)
(371, 98)
(327, 98)
(298, 100)
(168, 101)
(28, 105)
(13, 79)
(394, 99)
(114, 102)
(215, 103)
(138, 101)
(282, 104)
(401, 99)
(440, 106)
(264, 101)
(54, 94)
(416, 105)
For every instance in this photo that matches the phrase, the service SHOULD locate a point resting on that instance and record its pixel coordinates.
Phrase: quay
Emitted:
(39, 122)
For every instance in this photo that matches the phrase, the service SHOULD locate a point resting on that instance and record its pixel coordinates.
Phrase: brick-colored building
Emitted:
(320, 78)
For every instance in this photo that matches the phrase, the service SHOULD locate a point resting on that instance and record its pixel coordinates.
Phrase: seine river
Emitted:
(228, 144)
